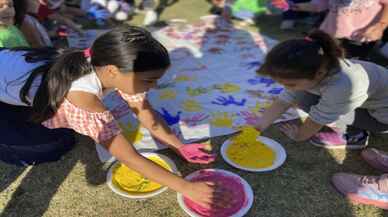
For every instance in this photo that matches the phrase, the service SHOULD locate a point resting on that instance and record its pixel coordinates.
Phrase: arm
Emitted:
(201, 192)
(374, 32)
(271, 114)
(155, 124)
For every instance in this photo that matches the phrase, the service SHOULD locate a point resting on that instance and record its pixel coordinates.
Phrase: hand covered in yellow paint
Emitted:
(227, 87)
(222, 119)
(191, 106)
(167, 94)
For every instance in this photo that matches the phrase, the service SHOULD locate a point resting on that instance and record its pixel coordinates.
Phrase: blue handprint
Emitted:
(228, 101)
(170, 119)
(267, 81)
(253, 65)
(275, 91)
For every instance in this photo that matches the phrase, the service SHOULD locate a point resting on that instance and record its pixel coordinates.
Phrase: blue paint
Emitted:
(267, 81)
(230, 100)
(169, 118)
(253, 81)
(276, 91)
(253, 65)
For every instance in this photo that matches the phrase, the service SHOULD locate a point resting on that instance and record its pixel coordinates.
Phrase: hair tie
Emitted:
(87, 53)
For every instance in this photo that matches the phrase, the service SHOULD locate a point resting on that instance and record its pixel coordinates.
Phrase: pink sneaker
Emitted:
(377, 159)
(369, 190)
(332, 139)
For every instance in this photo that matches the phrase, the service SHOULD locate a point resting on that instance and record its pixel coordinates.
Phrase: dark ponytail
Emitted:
(303, 58)
(130, 49)
(57, 76)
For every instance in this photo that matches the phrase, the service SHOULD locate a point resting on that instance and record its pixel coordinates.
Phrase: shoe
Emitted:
(150, 18)
(369, 190)
(377, 159)
(287, 25)
(335, 140)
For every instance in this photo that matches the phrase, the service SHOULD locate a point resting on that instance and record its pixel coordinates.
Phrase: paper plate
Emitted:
(247, 189)
(145, 195)
(275, 146)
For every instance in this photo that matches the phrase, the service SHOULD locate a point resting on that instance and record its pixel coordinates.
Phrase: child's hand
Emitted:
(195, 153)
(291, 130)
(203, 193)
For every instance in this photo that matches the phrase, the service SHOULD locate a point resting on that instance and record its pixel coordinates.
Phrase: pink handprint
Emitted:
(195, 119)
(250, 117)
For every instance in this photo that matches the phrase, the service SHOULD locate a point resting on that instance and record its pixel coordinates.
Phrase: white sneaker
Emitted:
(150, 18)
(287, 24)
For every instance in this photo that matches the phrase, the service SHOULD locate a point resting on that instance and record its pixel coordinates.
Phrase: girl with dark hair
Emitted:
(62, 90)
(352, 95)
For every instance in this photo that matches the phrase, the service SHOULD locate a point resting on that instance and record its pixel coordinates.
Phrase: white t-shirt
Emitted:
(15, 71)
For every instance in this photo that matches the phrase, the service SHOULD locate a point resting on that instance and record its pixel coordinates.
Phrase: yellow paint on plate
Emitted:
(247, 152)
(132, 182)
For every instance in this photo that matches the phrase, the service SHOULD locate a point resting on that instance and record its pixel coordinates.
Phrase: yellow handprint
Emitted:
(196, 91)
(259, 107)
(227, 87)
(191, 106)
(181, 78)
(167, 94)
(132, 135)
(222, 119)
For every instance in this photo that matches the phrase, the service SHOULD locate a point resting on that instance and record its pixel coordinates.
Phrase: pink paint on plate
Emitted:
(238, 198)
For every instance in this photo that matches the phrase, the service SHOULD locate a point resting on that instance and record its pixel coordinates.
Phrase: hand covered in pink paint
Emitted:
(195, 153)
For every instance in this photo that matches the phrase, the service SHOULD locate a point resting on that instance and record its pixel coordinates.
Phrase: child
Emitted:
(10, 36)
(351, 94)
(63, 89)
(56, 11)
(358, 23)
(35, 34)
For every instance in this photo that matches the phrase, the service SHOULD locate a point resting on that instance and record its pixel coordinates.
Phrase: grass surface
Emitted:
(75, 185)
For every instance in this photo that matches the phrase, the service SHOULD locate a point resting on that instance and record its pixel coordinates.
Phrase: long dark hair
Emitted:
(303, 58)
(20, 11)
(130, 49)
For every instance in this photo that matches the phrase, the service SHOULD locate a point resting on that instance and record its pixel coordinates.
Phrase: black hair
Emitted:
(20, 11)
(303, 58)
(130, 49)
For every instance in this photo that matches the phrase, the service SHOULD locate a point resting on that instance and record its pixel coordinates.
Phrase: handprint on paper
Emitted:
(266, 81)
(276, 91)
(195, 119)
(191, 105)
(227, 87)
(196, 91)
(230, 100)
(167, 94)
(260, 107)
(181, 78)
(222, 119)
(250, 118)
(169, 118)
(253, 65)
